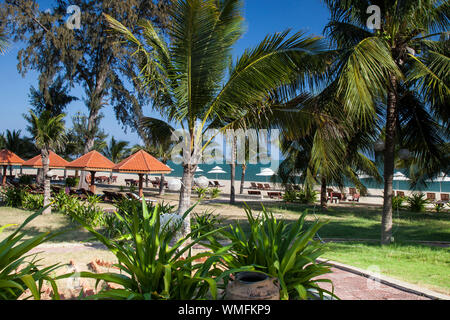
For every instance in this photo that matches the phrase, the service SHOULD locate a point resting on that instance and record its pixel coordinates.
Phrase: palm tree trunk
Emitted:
(233, 171)
(185, 193)
(323, 194)
(161, 185)
(241, 189)
(45, 168)
(389, 162)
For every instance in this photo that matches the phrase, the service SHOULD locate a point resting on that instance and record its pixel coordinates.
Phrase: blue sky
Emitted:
(262, 17)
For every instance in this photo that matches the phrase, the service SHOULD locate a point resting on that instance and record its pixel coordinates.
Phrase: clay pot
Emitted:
(253, 286)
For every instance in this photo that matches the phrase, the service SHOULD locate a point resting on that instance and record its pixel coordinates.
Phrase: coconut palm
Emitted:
(116, 151)
(48, 134)
(191, 80)
(404, 60)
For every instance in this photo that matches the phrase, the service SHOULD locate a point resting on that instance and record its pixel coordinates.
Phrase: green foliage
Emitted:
(283, 250)
(150, 267)
(33, 202)
(439, 207)
(201, 192)
(72, 182)
(26, 179)
(16, 273)
(214, 193)
(417, 202)
(204, 223)
(304, 196)
(397, 202)
(13, 197)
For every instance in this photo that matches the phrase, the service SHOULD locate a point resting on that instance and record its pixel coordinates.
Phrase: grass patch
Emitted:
(417, 264)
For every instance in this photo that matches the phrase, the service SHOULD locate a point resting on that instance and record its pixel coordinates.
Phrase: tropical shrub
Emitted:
(397, 202)
(201, 192)
(33, 201)
(304, 196)
(417, 202)
(13, 197)
(151, 268)
(439, 207)
(16, 273)
(204, 223)
(279, 249)
(26, 179)
(72, 182)
(290, 196)
(214, 193)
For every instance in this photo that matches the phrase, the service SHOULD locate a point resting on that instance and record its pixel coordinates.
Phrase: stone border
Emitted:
(400, 285)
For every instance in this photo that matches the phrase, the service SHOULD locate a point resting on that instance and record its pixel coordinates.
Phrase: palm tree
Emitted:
(400, 62)
(116, 151)
(49, 134)
(187, 77)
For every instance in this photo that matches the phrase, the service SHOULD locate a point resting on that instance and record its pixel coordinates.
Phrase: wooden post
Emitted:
(141, 187)
(92, 187)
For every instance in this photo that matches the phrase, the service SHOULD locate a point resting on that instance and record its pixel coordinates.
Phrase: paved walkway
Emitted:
(347, 285)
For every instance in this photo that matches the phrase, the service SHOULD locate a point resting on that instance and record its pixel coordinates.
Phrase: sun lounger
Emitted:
(254, 192)
(400, 194)
(253, 186)
(267, 186)
(260, 186)
(217, 184)
(134, 196)
(431, 196)
(444, 197)
(275, 195)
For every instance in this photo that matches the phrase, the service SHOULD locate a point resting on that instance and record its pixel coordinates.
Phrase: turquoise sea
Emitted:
(253, 169)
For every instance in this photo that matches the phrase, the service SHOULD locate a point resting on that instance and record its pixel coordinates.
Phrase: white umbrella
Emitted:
(398, 176)
(266, 172)
(362, 175)
(440, 178)
(198, 170)
(217, 170)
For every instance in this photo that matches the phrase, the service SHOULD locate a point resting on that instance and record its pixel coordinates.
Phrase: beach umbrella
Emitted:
(141, 163)
(398, 176)
(55, 162)
(9, 158)
(198, 170)
(217, 170)
(440, 178)
(266, 172)
(362, 175)
(93, 162)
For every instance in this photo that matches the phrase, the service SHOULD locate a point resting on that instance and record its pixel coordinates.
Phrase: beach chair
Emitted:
(275, 195)
(253, 186)
(355, 197)
(260, 186)
(431, 196)
(400, 194)
(267, 186)
(445, 197)
(211, 185)
(254, 192)
(217, 184)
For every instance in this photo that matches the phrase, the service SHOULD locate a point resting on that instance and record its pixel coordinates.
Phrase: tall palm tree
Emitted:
(188, 76)
(49, 134)
(116, 151)
(388, 67)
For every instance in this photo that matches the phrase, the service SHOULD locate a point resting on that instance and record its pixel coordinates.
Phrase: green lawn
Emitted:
(406, 259)
(422, 265)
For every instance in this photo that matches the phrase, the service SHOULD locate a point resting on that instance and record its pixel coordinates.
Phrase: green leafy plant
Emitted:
(201, 192)
(72, 182)
(26, 179)
(203, 223)
(397, 202)
(151, 268)
(13, 197)
(33, 201)
(417, 202)
(439, 207)
(16, 273)
(290, 196)
(214, 193)
(279, 249)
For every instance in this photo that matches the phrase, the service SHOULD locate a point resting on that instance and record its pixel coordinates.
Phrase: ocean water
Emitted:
(253, 169)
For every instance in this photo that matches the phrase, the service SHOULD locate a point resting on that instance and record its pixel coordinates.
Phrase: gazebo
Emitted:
(8, 158)
(55, 162)
(141, 163)
(93, 162)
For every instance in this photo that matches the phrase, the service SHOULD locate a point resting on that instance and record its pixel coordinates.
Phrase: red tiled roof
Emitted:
(92, 161)
(9, 158)
(55, 161)
(141, 162)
